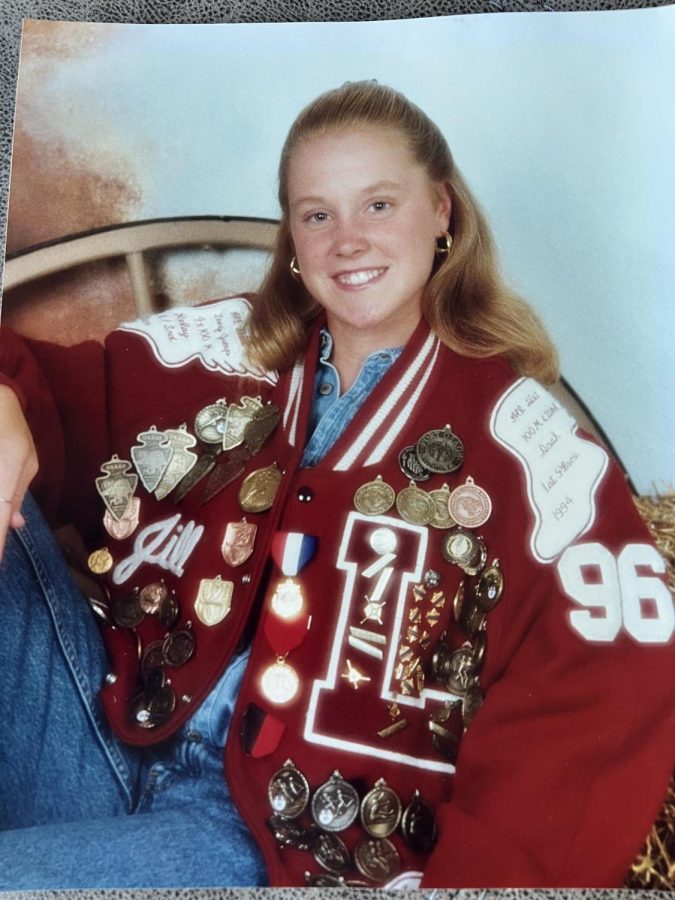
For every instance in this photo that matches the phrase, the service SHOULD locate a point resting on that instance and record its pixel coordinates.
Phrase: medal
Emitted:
(199, 470)
(380, 810)
(261, 426)
(288, 833)
(259, 489)
(151, 596)
(490, 587)
(335, 804)
(331, 853)
(227, 470)
(415, 505)
(460, 670)
(126, 610)
(178, 647)
(441, 517)
(100, 561)
(127, 524)
(469, 505)
(374, 498)
(377, 859)
(169, 611)
(279, 682)
(116, 487)
(151, 457)
(412, 468)
(418, 825)
(383, 541)
(288, 791)
(458, 601)
(292, 550)
(440, 451)
(236, 420)
(210, 422)
(287, 600)
(152, 660)
(182, 460)
(238, 542)
(214, 600)
(472, 619)
(465, 550)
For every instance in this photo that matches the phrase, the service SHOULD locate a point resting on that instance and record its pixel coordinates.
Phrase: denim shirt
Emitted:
(331, 413)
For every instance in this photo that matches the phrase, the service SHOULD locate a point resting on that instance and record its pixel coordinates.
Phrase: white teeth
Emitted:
(363, 277)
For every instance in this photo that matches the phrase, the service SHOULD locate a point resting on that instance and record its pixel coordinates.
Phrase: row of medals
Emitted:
(333, 807)
(166, 465)
(468, 506)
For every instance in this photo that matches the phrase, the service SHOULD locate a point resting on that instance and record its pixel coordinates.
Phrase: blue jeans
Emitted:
(78, 809)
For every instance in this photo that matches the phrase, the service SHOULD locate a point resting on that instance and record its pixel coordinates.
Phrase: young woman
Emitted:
(343, 532)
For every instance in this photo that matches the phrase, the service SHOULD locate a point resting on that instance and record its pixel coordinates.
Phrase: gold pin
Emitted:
(353, 676)
(100, 561)
(392, 729)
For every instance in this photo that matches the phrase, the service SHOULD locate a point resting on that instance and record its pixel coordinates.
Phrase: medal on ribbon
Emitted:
(292, 550)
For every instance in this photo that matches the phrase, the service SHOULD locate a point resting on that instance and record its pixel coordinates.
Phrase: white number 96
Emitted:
(641, 603)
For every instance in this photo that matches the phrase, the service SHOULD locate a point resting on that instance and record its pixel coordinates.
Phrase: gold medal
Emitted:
(238, 542)
(415, 505)
(100, 561)
(279, 682)
(469, 505)
(374, 498)
(441, 517)
(214, 600)
(124, 527)
(259, 488)
(287, 600)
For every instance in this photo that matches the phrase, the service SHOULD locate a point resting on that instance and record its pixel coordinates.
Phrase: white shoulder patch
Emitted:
(563, 470)
(213, 334)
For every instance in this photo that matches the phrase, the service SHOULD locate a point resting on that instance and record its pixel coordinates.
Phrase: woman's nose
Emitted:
(350, 238)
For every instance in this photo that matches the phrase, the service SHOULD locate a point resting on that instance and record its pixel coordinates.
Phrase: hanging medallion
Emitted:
(238, 542)
(490, 587)
(288, 791)
(374, 498)
(377, 859)
(440, 450)
(287, 600)
(203, 465)
(279, 682)
(259, 489)
(117, 486)
(210, 422)
(182, 459)
(238, 417)
(151, 457)
(127, 524)
(380, 810)
(100, 561)
(441, 517)
(214, 600)
(412, 468)
(335, 804)
(415, 505)
(261, 426)
(469, 505)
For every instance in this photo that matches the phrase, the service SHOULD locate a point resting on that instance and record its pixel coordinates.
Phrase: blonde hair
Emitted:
(465, 301)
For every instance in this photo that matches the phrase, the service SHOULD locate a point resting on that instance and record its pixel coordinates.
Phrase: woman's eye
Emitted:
(316, 217)
(380, 205)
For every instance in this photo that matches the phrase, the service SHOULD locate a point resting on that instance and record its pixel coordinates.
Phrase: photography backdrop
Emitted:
(561, 122)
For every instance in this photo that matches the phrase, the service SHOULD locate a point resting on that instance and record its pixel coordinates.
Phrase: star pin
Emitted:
(353, 676)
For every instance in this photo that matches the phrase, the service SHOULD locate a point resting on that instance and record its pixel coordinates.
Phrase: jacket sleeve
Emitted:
(62, 392)
(565, 766)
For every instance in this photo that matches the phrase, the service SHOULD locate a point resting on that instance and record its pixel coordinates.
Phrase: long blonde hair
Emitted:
(465, 301)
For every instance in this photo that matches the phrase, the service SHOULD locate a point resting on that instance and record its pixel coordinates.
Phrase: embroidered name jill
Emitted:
(167, 543)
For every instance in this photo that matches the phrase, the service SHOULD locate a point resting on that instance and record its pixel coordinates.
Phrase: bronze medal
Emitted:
(151, 457)
(471, 703)
(490, 587)
(125, 526)
(259, 489)
(331, 853)
(279, 682)
(288, 791)
(236, 420)
(178, 647)
(126, 610)
(374, 498)
(152, 659)
(238, 542)
(210, 422)
(415, 505)
(441, 517)
(214, 600)
(440, 451)
(412, 468)
(261, 427)
(377, 859)
(335, 804)
(418, 825)
(380, 810)
(100, 561)
(182, 461)
(460, 670)
(227, 470)
(151, 596)
(199, 470)
(469, 505)
(169, 611)
(117, 486)
(162, 704)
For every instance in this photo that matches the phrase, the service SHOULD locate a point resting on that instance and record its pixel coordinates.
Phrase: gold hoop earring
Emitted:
(295, 271)
(443, 248)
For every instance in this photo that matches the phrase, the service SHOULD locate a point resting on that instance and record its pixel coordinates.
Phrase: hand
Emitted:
(18, 462)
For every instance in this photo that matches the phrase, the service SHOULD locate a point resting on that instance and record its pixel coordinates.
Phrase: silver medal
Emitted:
(117, 486)
(182, 460)
(151, 456)
(335, 804)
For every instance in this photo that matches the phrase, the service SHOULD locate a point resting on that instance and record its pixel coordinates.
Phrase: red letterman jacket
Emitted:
(563, 768)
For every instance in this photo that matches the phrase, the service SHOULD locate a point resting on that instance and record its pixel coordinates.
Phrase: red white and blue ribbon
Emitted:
(292, 550)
